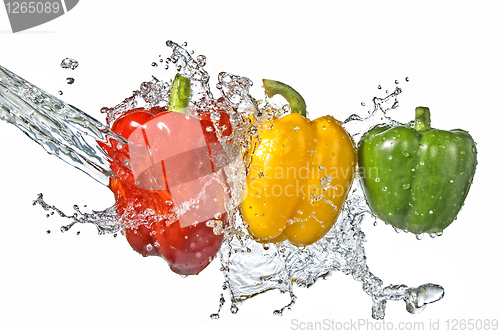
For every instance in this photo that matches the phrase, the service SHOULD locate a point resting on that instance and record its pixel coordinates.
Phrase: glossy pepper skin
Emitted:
(300, 175)
(417, 178)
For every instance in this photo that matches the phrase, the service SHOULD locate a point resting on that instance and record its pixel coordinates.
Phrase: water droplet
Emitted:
(48, 231)
(69, 63)
(209, 129)
(201, 60)
(70, 81)
(296, 128)
(377, 179)
(422, 163)
(417, 298)
(384, 189)
(451, 181)
(406, 186)
(363, 104)
(419, 236)
(431, 212)
(379, 87)
(396, 82)
(154, 64)
(261, 175)
(390, 157)
(60, 92)
(407, 79)
(405, 154)
(321, 167)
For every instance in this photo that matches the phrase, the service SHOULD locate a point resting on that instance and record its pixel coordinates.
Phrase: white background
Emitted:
(336, 55)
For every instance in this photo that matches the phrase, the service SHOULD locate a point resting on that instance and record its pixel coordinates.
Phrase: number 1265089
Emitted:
(32, 7)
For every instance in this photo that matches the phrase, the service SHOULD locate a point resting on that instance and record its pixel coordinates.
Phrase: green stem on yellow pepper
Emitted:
(422, 119)
(180, 94)
(296, 102)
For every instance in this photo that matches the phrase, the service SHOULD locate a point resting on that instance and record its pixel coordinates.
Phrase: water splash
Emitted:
(249, 268)
(106, 221)
(357, 126)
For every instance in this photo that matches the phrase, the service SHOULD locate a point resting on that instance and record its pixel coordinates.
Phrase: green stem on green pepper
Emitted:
(180, 94)
(296, 102)
(422, 119)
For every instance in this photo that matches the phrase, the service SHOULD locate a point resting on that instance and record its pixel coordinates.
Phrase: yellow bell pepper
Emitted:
(299, 176)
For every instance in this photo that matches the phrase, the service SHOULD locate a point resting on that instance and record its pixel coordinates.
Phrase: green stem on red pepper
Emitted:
(296, 102)
(422, 119)
(180, 94)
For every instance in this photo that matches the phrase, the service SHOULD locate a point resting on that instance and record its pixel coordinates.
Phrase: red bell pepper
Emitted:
(170, 158)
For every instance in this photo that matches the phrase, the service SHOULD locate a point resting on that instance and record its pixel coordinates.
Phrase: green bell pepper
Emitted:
(416, 179)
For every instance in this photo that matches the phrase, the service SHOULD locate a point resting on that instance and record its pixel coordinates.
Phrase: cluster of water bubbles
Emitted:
(249, 268)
